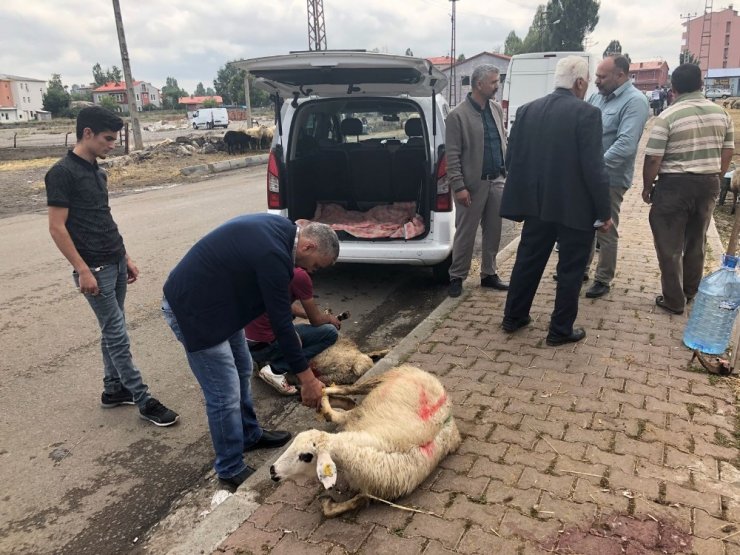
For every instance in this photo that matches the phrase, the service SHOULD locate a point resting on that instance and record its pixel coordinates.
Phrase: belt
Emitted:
(492, 176)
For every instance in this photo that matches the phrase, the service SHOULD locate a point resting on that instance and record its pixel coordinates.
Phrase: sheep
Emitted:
(734, 186)
(236, 142)
(343, 362)
(389, 444)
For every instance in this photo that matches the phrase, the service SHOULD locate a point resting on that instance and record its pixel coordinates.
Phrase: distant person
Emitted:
(624, 112)
(318, 335)
(476, 148)
(656, 101)
(670, 96)
(83, 229)
(689, 150)
(227, 279)
(557, 184)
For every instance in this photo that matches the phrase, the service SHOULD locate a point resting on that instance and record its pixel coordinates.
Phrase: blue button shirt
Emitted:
(623, 116)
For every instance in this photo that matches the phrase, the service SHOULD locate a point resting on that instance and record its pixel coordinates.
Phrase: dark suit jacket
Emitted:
(555, 163)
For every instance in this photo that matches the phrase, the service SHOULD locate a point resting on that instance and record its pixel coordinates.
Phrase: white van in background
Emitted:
(210, 118)
(531, 76)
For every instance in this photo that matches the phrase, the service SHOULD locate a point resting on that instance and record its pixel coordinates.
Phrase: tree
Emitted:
(513, 44)
(561, 25)
(615, 49)
(461, 58)
(172, 93)
(109, 103)
(210, 103)
(210, 92)
(687, 57)
(229, 84)
(102, 76)
(409, 52)
(56, 99)
(200, 90)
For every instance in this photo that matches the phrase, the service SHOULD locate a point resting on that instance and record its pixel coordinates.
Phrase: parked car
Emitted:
(715, 92)
(326, 164)
(531, 76)
(211, 118)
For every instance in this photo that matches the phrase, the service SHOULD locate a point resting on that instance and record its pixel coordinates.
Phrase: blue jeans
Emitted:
(224, 373)
(118, 365)
(314, 339)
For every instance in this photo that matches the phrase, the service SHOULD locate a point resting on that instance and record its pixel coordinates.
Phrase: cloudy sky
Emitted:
(191, 39)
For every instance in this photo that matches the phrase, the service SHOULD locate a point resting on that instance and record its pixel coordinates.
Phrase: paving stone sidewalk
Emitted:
(611, 445)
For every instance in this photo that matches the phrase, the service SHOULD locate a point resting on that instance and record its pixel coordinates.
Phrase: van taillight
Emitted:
(505, 106)
(443, 202)
(273, 183)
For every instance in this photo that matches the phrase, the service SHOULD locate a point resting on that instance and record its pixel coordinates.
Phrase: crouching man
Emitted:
(227, 279)
(316, 337)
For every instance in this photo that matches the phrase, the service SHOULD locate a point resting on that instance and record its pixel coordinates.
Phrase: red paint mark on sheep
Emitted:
(428, 449)
(426, 410)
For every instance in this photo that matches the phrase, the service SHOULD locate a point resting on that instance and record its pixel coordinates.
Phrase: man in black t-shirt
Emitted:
(82, 227)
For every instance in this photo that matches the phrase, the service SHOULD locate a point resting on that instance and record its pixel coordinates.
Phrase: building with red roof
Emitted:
(193, 103)
(145, 93)
(646, 75)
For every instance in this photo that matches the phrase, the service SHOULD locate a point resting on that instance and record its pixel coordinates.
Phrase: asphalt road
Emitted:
(80, 479)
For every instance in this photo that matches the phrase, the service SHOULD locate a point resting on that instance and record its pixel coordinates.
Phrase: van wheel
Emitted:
(195, 126)
(441, 271)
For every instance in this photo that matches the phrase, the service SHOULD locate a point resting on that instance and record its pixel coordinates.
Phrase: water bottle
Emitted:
(714, 311)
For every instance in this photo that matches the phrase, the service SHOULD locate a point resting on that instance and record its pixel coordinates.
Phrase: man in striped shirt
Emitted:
(690, 146)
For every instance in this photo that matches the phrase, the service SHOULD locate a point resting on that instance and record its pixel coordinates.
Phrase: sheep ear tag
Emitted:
(326, 470)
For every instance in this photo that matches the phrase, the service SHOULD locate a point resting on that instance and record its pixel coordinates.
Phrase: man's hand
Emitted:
(647, 193)
(311, 389)
(88, 283)
(133, 271)
(334, 321)
(605, 226)
(463, 197)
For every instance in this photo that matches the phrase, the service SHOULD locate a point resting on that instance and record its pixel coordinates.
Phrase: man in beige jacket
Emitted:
(476, 150)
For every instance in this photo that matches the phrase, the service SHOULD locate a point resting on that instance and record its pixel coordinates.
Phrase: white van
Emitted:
(531, 76)
(359, 145)
(210, 118)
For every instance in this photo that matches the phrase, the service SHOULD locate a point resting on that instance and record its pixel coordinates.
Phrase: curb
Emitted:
(235, 510)
(225, 165)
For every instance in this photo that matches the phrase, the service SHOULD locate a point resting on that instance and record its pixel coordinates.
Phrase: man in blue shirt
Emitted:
(624, 111)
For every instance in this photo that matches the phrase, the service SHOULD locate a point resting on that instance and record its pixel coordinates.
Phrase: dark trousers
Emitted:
(535, 247)
(679, 217)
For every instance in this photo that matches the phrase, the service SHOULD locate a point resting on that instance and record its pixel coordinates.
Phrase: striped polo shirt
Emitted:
(690, 136)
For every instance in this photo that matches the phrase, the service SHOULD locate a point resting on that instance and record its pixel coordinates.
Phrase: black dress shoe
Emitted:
(598, 289)
(510, 325)
(239, 479)
(494, 282)
(660, 301)
(576, 335)
(270, 440)
(455, 289)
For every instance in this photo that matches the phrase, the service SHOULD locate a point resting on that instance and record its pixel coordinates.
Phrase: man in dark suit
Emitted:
(557, 184)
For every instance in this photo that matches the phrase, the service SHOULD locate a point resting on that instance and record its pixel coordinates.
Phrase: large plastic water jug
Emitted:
(714, 310)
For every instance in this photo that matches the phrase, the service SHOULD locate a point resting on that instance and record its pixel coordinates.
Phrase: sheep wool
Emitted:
(390, 444)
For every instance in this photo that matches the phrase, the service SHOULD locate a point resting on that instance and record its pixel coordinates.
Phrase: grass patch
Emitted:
(20, 165)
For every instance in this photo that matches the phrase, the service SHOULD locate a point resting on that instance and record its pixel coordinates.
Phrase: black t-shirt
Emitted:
(82, 187)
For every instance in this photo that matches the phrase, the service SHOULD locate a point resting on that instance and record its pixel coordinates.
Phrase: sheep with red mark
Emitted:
(390, 443)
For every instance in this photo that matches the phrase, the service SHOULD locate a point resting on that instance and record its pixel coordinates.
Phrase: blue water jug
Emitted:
(714, 311)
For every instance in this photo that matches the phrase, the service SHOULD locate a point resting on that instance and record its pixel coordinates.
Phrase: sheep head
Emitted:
(307, 454)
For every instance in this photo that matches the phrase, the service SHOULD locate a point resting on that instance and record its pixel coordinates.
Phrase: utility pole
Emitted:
(688, 17)
(316, 25)
(452, 101)
(138, 143)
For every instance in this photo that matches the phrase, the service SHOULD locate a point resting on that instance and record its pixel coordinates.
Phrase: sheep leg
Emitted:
(329, 414)
(332, 509)
(353, 389)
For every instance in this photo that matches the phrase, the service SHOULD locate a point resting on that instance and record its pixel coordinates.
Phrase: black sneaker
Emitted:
(455, 289)
(156, 413)
(122, 397)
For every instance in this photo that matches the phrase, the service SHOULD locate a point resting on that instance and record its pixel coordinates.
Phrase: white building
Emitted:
(21, 98)
(464, 69)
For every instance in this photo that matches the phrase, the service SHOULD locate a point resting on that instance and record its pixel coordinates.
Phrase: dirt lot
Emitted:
(22, 173)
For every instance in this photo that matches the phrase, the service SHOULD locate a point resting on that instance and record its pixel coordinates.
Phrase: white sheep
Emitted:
(390, 444)
(343, 362)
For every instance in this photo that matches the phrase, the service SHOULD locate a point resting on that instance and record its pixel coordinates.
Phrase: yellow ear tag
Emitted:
(327, 471)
